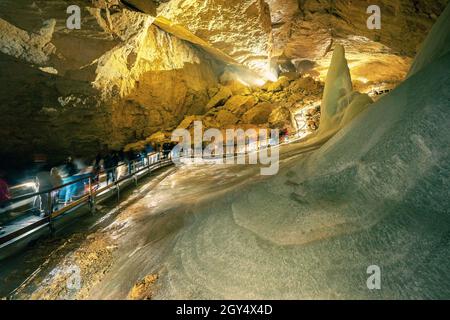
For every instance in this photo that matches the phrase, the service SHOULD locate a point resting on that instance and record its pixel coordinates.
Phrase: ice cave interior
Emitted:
(363, 179)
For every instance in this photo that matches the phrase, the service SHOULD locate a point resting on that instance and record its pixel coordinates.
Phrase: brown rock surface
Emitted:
(279, 85)
(142, 290)
(226, 118)
(220, 98)
(117, 80)
(240, 29)
(280, 117)
(305, 31)
(238, 105)
(259, 114)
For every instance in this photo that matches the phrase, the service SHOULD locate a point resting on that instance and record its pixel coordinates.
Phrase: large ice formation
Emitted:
(378, 193)
(340, 103)
(338, 84)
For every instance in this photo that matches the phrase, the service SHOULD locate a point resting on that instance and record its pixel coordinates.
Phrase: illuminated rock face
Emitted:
(271, 106)
(34, 48)
(239, 28)
(300, 35)
(117, 80)
(304, 33)
(154, 82)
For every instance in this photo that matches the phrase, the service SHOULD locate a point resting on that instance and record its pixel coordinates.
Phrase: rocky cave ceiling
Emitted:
(300, 34)
(295, 34)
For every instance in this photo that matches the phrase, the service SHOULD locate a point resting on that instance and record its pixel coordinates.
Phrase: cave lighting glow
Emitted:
(270, 75)
(363, 80)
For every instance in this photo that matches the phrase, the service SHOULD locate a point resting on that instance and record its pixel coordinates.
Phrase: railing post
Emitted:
(135, 177)
(50, 213)
(91, 197)
(118, 192)
(49, 203)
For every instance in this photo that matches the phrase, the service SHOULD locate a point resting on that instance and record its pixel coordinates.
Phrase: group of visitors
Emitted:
(76, 177)
(166, 148)
(48, 180)
(110, 161)
(4, 189)
(284, 135)
(5, 195)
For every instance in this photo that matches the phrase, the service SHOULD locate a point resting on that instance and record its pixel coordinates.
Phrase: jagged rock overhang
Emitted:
(181, 32)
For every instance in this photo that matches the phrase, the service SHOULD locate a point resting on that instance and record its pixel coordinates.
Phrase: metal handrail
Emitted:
(32, 195)
(105, 170)
(235, 153)
(88, 197)
(85, 198)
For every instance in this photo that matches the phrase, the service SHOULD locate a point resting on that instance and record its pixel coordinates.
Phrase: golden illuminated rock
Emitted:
(259, 114)
(280, 117)
(305, 32)
(237, 88)
(187, 121)
(142, 290)
(225, 118)
(279, 85)
(238, 105)
(120, 79)
(220, 98)
(239, 28)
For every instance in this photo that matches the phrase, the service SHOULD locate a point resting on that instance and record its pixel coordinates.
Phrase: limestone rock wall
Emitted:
(299, 35)
(116, 80)
(43, 113)
(270, 106)
(305, 32)
(239, 28)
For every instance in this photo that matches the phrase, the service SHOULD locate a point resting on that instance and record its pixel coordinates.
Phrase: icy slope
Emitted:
(375, 194)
